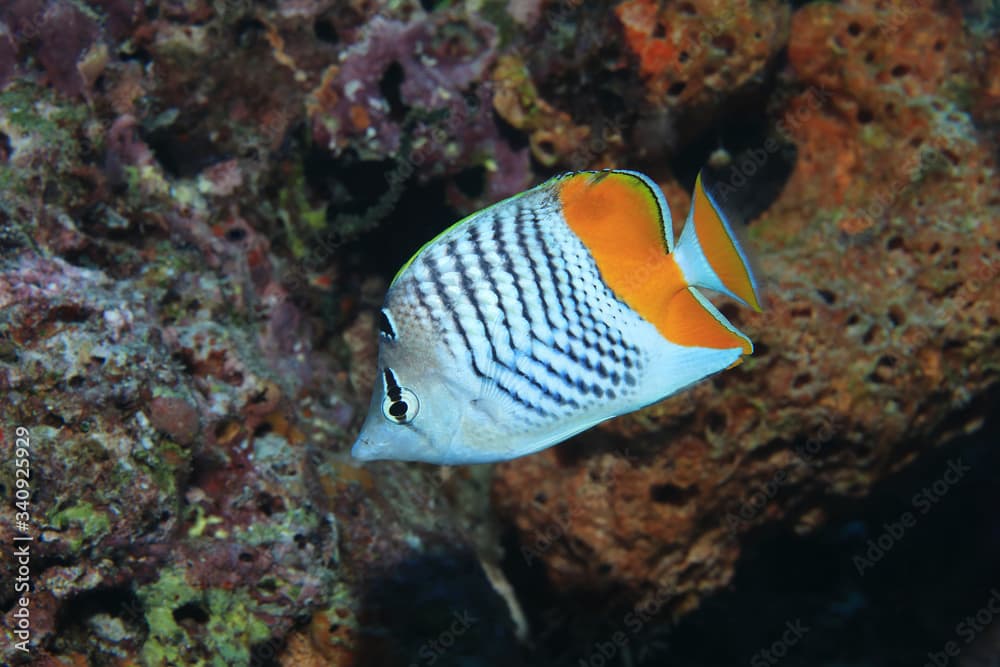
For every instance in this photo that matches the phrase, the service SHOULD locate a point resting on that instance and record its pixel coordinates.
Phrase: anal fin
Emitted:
(691, 320)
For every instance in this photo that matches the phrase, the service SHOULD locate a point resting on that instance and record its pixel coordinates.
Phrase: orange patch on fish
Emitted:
(691, 324)
(719, 248)
(619, 220)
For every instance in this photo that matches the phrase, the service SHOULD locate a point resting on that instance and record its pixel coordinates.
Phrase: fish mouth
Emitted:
(366, 450)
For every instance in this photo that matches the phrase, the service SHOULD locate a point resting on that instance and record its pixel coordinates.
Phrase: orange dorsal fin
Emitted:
(623, 221)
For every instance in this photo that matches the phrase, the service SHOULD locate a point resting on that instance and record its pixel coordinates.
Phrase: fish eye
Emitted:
(401, 406)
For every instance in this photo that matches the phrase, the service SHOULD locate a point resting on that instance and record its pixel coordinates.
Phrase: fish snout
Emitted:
(366, 450)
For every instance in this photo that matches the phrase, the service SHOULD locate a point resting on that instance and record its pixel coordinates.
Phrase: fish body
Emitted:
(547, 313)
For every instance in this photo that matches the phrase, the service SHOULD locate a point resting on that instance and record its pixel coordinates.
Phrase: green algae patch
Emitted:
(92, 522)
(36, 110)
(45, 128)
(233, 629)
(230, 630)
(171, 591)
(301, 221)
(162, 474)
(280, 529)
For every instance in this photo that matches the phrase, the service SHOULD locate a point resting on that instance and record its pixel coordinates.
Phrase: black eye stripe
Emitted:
(385, 324)
(392, 388)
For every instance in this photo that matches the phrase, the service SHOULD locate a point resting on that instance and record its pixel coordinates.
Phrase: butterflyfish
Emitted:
(549, 312)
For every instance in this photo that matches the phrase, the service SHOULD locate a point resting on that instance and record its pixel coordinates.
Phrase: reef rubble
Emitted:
(202, 202)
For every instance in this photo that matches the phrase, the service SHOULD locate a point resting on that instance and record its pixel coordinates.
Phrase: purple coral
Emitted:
(125, 148)
(416, 90)
(121, 15)
(60, 33)
(8, 56)
(65, 34)
(24, 18)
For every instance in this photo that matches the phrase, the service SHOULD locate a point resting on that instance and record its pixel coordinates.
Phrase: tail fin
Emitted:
(709, 255)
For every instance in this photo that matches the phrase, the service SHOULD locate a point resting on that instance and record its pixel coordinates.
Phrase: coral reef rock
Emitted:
(203, 201)
(879, 338)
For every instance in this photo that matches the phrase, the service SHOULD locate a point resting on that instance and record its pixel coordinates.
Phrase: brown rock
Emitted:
(878, 339)
(176, 417)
